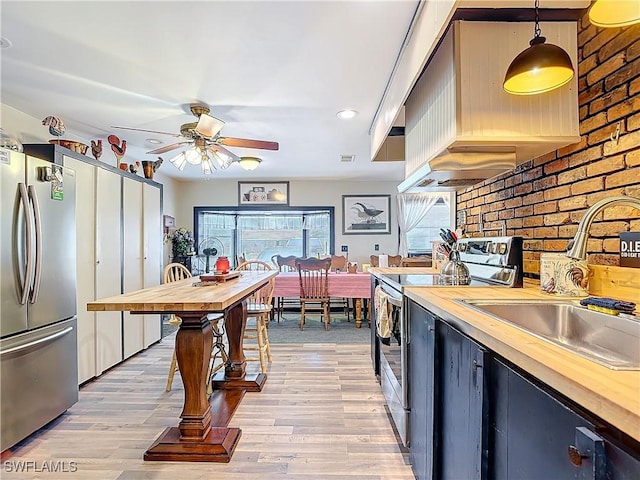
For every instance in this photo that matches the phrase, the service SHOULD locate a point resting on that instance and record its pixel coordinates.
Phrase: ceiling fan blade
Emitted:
(209, 126)
(167, 148)
(224, 151)
(248, 143)
(150, 131)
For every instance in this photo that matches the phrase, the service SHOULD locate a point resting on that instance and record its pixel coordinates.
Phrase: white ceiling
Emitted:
(272, 70)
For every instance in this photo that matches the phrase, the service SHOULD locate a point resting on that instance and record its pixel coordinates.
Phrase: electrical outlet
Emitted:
(345, 248)
(376, 247)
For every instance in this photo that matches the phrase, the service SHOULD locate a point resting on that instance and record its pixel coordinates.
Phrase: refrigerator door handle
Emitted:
(36, 214)
(49, 338)
(24, 199)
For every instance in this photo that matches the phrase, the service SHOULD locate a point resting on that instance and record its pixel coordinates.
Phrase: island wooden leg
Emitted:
(358, 312)
(195, 439)
(234, 376)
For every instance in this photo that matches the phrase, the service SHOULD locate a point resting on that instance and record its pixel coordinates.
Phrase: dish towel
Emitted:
(610, 303)
(383, 328)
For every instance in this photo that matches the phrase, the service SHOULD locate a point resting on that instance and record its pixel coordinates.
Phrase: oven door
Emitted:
(393, 362)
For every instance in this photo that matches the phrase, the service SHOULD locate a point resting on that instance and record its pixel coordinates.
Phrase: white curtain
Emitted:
(412, 208)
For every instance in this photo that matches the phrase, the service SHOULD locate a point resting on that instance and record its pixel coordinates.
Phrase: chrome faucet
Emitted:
(578, 246)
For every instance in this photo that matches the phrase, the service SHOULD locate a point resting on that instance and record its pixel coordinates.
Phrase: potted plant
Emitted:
(181, 245)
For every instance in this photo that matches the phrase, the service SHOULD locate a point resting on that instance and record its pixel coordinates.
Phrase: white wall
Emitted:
(224, 193)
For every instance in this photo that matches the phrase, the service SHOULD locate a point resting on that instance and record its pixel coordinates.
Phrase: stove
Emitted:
(492, 262)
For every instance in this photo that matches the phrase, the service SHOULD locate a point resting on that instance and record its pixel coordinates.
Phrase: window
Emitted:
(258, 234)
(420, 237)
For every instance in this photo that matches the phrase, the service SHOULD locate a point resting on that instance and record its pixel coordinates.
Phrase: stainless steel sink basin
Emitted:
(612, 341)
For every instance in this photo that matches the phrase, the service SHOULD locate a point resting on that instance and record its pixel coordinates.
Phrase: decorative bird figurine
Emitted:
(96, 149)
(133, 168)
(157, 163)
(55, 124)
(117, 147)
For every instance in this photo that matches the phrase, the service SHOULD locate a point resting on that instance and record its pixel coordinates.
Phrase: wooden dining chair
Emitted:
(339, 264)
(172, 273)
(259, 307)
(394, 260)
(314, 287)
(284, 264)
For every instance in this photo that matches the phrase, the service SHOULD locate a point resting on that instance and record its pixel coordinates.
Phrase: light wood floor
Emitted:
(321, 415)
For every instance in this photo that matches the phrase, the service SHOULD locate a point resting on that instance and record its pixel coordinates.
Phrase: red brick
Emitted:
(633, 51)
(546, 207)
(608, 99)
(632, 158)
(559, 192)
(542, 159)
(605, 69)
(567, 231)
(514, 223)
(497, 185)
(603, 259)
(592, 123)
(624, 108)
(490, 216)
(524, 232)
(513, 202)
(504, 214)
(626, 177)
(619, 212)
(594, 244)
(602, 37)
(603, 134)
(545, 232)
(557, 165)
(634, 86)
(587, 33)
(523, 189)
(588, 186)
(611, 245)
(632, 191)
(546, 182)
(634, 225)
(572, 203)
(586, 95)
(574, 147)
(603, 229)
(622, 75)
(557, 219)
(585, 156)
(583, 112)
(633, 122)
(536, 197)
(512, 180)
(524, 211)
(571, 176)
(624, 39)
(609, 164)
(533, 221)
(555, 245)
(528, 244)
(587, 64)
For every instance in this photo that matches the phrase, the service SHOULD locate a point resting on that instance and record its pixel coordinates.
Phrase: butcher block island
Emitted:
(528, 408)
(202, 434)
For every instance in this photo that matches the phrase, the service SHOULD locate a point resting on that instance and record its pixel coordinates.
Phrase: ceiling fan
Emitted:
(204, 141)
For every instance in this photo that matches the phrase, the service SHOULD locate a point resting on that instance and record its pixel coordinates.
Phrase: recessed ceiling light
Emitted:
(346, 114)
(5, 42)
(154, 141)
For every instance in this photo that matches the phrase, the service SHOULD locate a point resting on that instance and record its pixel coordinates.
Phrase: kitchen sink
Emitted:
(609, 340)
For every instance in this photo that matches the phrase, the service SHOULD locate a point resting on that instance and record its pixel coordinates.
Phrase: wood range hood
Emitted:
(462, 127)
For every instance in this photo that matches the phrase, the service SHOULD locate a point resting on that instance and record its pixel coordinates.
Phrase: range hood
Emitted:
(462, 127)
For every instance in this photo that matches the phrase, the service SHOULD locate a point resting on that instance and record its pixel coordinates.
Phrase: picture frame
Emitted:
(263, 193)
(366, 214)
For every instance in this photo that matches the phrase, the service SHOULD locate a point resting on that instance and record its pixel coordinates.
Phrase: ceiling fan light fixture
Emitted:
(222, 159)
(207, 165)
(249, 163)
(614, 13)
(193, 156)
(209, 126)
(179, 161)
(540, 68)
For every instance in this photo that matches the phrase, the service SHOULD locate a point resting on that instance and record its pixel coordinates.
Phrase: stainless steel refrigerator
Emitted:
(38, 331)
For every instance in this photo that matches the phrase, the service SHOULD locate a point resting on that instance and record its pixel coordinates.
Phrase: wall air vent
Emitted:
(460, 182)
(347, 158)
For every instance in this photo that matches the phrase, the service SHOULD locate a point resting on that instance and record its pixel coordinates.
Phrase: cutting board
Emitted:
(219, 277)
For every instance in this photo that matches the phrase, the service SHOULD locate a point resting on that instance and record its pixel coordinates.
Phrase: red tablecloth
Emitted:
(341, 285)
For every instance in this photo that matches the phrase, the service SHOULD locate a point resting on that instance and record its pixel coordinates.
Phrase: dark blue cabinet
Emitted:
(462, 406)
(421, 391)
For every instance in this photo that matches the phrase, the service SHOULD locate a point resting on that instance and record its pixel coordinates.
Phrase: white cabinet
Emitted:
(108, 267)
(85, 265)
(152, 255)
(133, 264)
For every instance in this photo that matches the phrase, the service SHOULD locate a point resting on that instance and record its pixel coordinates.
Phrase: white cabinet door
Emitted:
(108, 267)
(85, 265)
(152, 249)
(133, 262)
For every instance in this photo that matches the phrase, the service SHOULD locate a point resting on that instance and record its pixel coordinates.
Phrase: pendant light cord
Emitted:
(536, 29)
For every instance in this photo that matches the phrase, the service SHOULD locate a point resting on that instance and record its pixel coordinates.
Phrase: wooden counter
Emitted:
(202, 434)
(612, 395)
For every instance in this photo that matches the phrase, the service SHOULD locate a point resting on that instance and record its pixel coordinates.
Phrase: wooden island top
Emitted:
(203, 434)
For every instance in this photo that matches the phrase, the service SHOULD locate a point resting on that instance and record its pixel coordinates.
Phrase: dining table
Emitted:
(203, 433)
(341, 285)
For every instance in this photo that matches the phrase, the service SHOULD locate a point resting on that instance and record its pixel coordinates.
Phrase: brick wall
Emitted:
(543, 199)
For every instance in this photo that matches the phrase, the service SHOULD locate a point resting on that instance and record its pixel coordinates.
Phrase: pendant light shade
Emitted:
(249, 163)
(540, 68)
(615, 13)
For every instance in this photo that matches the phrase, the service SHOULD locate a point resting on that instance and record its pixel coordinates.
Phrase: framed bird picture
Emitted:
(366, 214)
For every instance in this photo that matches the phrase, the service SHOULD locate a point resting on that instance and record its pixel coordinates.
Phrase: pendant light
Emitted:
(615, 13)
(540, 68)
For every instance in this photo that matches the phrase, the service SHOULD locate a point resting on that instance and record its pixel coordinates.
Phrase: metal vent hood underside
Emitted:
(462, 127)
